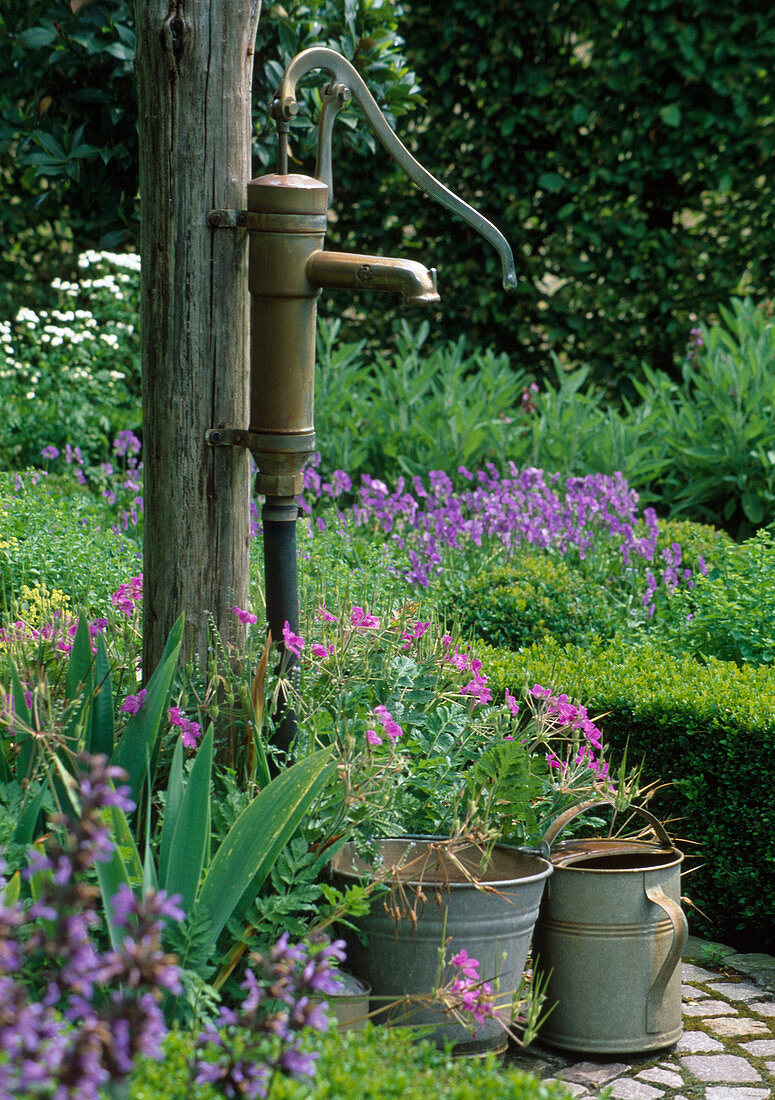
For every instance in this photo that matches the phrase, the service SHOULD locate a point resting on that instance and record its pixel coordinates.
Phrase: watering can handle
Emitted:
(560, 822)
(677, 918)
(285, 106)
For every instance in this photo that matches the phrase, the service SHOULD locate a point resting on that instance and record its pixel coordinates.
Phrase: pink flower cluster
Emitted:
(59, 632)
(475, 996)
(568, 714)
(362, 620)
(464, 662)
(190, 731)
(127, 595)
(388, 723)
(294, 643)
(413, 635)
(576, 718)
(244, 616)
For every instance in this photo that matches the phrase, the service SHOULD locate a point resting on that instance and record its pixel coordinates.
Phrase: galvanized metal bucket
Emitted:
(609, 939)
(490, 915)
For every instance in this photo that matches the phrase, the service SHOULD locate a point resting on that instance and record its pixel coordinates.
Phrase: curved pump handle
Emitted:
(285, 107)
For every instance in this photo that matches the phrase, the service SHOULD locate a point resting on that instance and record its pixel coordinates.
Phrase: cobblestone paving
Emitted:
(726, 1052)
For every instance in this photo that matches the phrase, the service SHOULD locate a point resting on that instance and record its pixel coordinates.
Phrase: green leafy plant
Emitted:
(70, 375)
(420, 745)
(625, 218)
(716, 427)
(729, 613)
(416, 408)
(535, 596)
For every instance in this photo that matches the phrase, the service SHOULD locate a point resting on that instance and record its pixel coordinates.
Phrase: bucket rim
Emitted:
(544, 866)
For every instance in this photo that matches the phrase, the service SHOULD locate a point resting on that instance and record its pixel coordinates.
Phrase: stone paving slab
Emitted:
(727, 1050)
(723, 1092)
(709, 1008)
(729, 1069)
(733, 1025)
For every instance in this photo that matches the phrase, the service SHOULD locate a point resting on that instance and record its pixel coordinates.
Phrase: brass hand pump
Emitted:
(286, 219)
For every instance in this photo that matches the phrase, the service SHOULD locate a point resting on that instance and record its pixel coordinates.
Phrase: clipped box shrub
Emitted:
(533, 597)
(374, 1064)
(706, 736)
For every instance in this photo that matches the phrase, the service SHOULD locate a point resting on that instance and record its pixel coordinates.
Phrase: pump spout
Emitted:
(351, 271)
(348, 81)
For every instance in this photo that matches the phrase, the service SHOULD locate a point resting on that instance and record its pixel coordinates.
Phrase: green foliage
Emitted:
(626, 152)
(706, 735)
(535, 595)
(54, 544)
(417, 408)
(701, 545)
(729, 614)
(716, 429)
(373, 1064)
(363, 31)
(68, 111)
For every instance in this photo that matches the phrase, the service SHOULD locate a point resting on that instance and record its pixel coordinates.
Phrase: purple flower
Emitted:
(511, 703)
(190, 731)
(244, 616)
(68, 1042)
(126, 443)
(50, 452)
(132, 703)
(362, 620)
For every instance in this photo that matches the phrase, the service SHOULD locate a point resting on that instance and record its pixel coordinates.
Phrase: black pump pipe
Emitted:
(279, 515)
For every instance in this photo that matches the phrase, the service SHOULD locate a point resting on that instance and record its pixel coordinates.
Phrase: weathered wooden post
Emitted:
(194, 68)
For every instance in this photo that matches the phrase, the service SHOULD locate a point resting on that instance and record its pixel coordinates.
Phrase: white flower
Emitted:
(27, 315)
(110, 338)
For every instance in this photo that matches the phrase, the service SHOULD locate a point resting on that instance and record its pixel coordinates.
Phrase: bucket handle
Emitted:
(560, 822)
(677, 918)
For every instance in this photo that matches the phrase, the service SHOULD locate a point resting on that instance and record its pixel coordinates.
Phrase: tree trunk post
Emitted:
(194, 68)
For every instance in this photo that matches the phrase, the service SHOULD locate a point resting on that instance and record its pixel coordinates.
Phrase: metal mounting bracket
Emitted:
(230, 437)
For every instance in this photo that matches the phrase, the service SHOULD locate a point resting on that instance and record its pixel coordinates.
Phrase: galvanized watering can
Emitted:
(609, 939)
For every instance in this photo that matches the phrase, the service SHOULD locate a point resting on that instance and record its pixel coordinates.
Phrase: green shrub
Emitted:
(730, 613)
(715, 429)
(374, 1064)
(416, 408)
(624, 150)
(697, 541)
(532, 597)
(706, 735)
(57, 540)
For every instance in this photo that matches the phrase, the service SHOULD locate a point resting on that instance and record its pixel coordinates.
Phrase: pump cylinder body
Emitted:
(286, 223)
